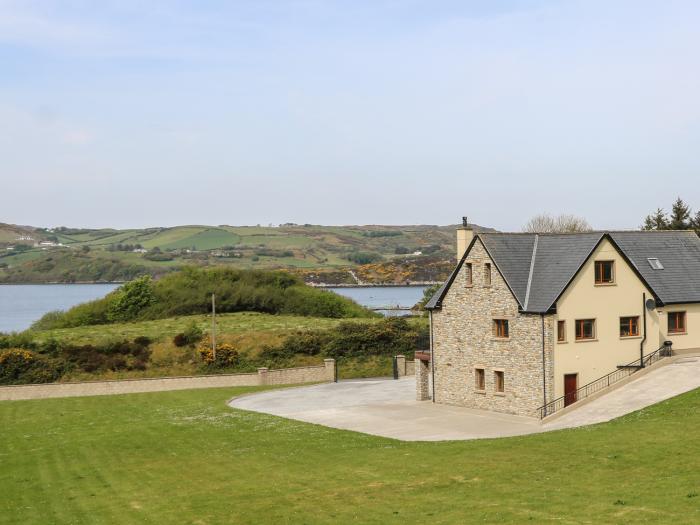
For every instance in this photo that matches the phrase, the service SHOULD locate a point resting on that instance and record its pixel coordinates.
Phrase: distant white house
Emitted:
(140, 250)
(24, 238)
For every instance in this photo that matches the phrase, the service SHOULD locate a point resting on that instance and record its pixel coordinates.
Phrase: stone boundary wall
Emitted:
(285, 376)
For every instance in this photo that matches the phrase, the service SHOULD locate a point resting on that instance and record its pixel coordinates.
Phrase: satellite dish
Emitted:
(650, 304)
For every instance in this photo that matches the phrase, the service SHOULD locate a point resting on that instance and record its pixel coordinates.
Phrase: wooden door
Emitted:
(570, 386)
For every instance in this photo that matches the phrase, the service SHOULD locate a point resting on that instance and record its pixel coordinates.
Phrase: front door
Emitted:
(570, 386)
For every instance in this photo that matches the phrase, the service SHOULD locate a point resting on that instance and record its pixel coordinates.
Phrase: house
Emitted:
(525, 319)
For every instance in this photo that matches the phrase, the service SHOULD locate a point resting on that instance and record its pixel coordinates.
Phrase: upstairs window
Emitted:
(676, 322)
(561, 331)
(604, 272)
(629, 326)
(487, 274)
(499, 381)
(468, 273)
(585, 329)
(500, 328)
(480, 379)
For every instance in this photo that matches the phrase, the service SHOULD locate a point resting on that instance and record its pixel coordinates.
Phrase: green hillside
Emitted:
(318, 253)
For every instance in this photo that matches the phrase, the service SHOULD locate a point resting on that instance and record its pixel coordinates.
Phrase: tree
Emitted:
(85, 248)
(695, 222)
(564, 223)
(656, 220)
(680, 215)
(131, 299)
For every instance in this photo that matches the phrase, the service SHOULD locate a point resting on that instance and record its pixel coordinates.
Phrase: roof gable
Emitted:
(679, 253)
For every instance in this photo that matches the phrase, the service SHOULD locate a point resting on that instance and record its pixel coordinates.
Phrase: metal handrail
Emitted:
(601, 383)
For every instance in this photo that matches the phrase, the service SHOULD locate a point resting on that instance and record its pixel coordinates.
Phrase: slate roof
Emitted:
(539, 267)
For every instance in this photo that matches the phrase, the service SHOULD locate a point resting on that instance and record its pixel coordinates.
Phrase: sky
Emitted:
(158, 113)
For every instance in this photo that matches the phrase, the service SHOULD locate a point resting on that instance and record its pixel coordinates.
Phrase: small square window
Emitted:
(676, 323)
(629, 326)
(585, 329)
(468, 273)
(501, 328)
(487, 274)
(499, 381)
(561, 331)
(480, 379)
(604, 272)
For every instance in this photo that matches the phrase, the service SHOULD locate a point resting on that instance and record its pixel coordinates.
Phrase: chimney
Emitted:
(465, 234)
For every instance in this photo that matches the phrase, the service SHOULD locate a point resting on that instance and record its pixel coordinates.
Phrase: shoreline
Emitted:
(53, 283)
(415, 284)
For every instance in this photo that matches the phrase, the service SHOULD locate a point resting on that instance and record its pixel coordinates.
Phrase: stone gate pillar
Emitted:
(422, 380)
(401, 364)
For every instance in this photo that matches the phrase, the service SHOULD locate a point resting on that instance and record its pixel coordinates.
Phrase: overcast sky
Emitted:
(142, 113)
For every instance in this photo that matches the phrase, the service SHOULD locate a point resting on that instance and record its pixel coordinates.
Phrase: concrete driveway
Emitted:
(385, 407)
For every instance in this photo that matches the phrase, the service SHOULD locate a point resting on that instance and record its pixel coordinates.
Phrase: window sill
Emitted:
(477, 391)
(500, 339)
(499, 394)
(586, 341)
(605, 284)
(624, 337)
(562, 342)
(671, 334)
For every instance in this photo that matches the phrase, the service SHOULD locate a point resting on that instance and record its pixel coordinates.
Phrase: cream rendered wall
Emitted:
(606, 304)
(691, 339)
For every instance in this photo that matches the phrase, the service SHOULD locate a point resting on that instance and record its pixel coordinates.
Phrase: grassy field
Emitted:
(165, 329)
(185, 457)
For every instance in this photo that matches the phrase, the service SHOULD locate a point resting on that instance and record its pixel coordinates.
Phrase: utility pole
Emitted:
(213, 326)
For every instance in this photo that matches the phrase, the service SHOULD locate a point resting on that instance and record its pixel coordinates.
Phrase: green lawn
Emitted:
(185, 457)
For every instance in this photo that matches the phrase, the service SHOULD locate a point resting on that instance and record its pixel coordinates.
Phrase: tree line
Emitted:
(681, 217)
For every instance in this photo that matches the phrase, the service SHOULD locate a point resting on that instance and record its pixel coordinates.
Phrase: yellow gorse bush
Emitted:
(226, 354)
(15, 355)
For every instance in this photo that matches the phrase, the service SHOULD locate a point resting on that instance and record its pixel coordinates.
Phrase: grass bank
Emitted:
(249, 333)
(185, 457)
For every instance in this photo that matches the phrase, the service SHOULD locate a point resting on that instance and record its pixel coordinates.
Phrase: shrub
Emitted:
(350, 339)
(21, 366)
(226, 355)
(114, 356)
(364, 257)
(191, 336)
(14, 362)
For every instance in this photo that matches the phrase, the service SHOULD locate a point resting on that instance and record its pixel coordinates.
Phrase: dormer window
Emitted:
(604, 272)
(655, 263)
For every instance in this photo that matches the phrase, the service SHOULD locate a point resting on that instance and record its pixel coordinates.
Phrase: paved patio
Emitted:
(385, 407)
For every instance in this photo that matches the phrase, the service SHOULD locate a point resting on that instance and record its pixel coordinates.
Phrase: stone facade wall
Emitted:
(288, 376)
(463, 341)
